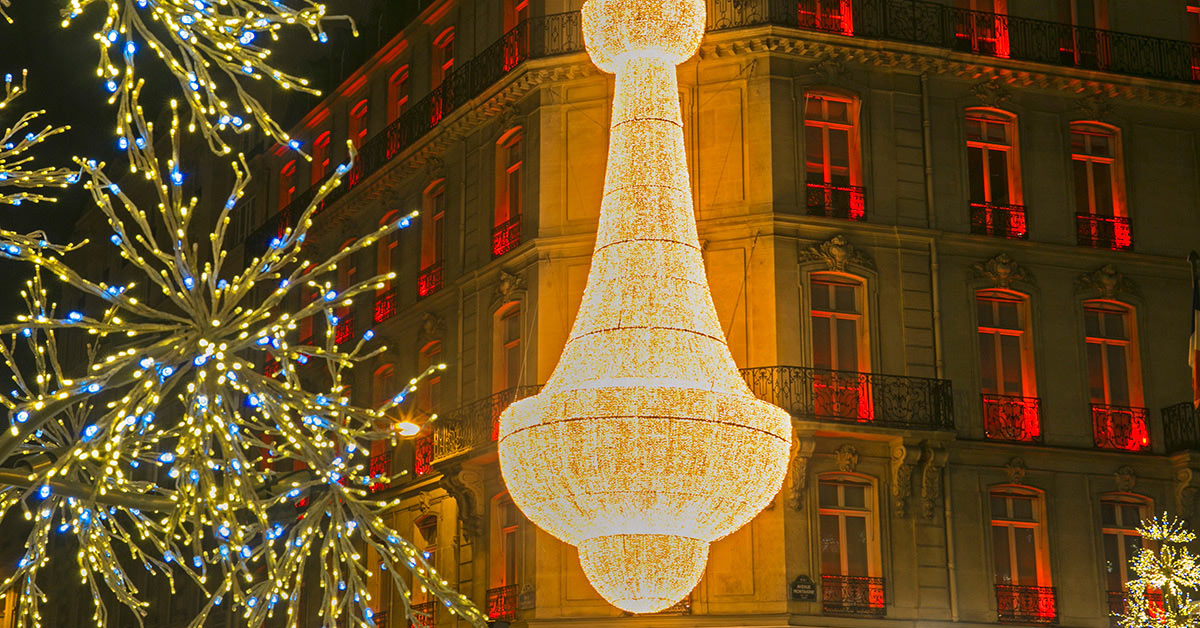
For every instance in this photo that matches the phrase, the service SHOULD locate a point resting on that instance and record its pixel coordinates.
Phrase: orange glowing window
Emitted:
(397, 93)
(358, 123)
(992, 168)
(981, 26)
(1009, 389)
(433, 241)
(841, 387)
(1096, 166)
(287, 183)
(443, 55)
(1111, 354)
(320, 157)
(832, 157)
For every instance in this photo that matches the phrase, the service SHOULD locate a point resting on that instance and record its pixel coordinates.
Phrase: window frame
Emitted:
(358, 125)
(398, 92)
(874, 542)
(1024, 334)
(505, 169)
(321, 157)
(502, 377)
(852, 127)
(443, 56)
(1132, 352)
(287, 184)
(1012, 160)
(1120, 530)
(1115, 162)
(1040, 536)
(502, 561)
(831, 278)
(433, 248)
(1000, 41)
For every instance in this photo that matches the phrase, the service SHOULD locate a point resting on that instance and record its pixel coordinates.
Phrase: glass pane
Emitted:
(814, 149)
(812, 107)
(844, 299)
(510, 557)
(1100, 145)
(999, 507)
(974, 129)
(831, 547)
(1095, 361)
(855, 495)
(1112, 564)
(828, 495)
(822, 343)
(997, 132)
(513, 369)
(847, 340)
(1078, 142)
(998, 173)
(839, 148)
(1102, 180)
(1114, 325)
(1091, 323)
(1009, 315)
(1010, 358)
(1108, 513)
(987, 362)
(1000, 554)
(1023, 538)
(1118, 380)
(1022, 508)
(838, 111)
(820, 296)
(975, 174)
(1083, 198)
(1133, 545)
(1131, 515)
(856, 546)
(983, 308)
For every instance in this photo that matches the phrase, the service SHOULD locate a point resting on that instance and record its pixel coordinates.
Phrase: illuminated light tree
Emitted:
(15, 144)
(162, 446)
(1163, 594)
(645, 445)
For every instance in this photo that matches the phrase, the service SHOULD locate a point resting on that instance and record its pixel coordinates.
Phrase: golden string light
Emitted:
(1163, 595)
(160, 444)
(645, 444)
(14, 146)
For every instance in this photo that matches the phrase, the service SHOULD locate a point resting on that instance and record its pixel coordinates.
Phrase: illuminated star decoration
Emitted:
(1168, 576)
(166, 440)
(202, 43)
(15, 143)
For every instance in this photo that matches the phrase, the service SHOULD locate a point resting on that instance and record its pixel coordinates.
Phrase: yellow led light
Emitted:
(645, 444)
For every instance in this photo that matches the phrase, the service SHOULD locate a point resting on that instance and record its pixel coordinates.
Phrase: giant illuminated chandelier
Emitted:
(645, 445)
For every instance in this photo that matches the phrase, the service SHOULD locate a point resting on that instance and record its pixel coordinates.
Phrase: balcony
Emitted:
(1001, 221)
(1118, 604)
(1120, 428)
(344, 330)
(1103, 232)
(506, 236)
(852, 595)
(424, 615)
(502, 603)
(475, 424)
(847, 202)
(1181, 427)
(1026, 605)
(385, 306)
(430, 280)
(380, 470)
(1012, 418)
(853, 397)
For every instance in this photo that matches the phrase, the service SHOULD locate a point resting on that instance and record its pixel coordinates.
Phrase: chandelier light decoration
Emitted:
(645, 444)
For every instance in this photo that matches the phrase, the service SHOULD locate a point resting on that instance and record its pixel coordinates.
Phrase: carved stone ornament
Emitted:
(508, 287)
(1002, 271)
(847, 458)
(902, 466)
(1185, 492)
(837, 253)
(505, 121)
(1105, 281)
(435, 169)
(433, 327)
(802, 451)
(465, 485)
(1016, 470)
(933, 461)
(992, 92)
(1126, 479)
(424, 503)
(1095, 106)
(828, 68)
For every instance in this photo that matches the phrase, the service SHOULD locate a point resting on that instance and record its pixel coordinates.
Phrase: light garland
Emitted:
(15, 143)
(1165, 567)
(155, 443)
(645, 444)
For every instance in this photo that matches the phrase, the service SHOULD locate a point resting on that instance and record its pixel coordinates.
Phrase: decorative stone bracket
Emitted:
(465, 485)
(904, 458)
(933, 460)
(803, 445)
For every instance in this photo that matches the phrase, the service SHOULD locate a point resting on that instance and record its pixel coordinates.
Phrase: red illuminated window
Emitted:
(423, 455)
(287, 183)
(320, 157)
(1099, 193)
(1114, 387)
(992, 158)
(831, 16)
(981, 26)
(1006, 367)
(443, 55)
(397, 93)
(358, 123)
(841, 389)
(832, 163)
(506, 230)
(433, 240)
(1088, 44)
(1020, 557)
(516, 28)
(1193, 24)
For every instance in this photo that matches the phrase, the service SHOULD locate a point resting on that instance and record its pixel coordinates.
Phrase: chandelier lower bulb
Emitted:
(645, 445)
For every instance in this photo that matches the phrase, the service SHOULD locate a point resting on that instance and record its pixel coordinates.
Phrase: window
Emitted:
(426, 542)
(510, 519)
(307, 296)
(849, 546)
(832, 158)
(831, 16)
(1022, 575)
(1087, 45)
(1120, 518)
(443, 56)
(1193, 25)
(287, 184)
(433, 240)
(839, 354)
(981, 26)
(993, 176)
(385, 256)
(1099, 198)
(510, 348)
(502, 596)
(383, 388)
(506, 232)
(515, 12)
(429, 394)
(1010, 404)
(346, 277)
(397, 93)
(1113, 386)
(358, 123)
(320, 157)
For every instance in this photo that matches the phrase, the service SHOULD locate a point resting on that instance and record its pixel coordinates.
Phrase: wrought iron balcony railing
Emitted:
(385, 306)
(344, 330)
(836, 201)
(475, 424)
(380, 469)
(1103, 232)
(382, 619)
(853, 397)
(1120, 427)
(1026, 605)
(1012, 418)
(853, 595)
(1181, 427)
(424, 615)
(430, 280)
(502, 602)
(1002, 221)
(506, 236)
(1118, 604)
(423, 454)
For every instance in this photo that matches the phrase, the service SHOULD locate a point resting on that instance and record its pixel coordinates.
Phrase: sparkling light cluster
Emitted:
(160, 445)
(201, 42)
(1166, 567)
(14, 160)
(645, 444)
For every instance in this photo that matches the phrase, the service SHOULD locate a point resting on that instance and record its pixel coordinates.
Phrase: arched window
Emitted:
(510, 158)
(993, 174)
(1114, 384)
(429, 395)
(849, 544)
(1020, 556)
(433, 239)
(1100, 213)
(1010, 403)
(832, 156)
(839, 348)
(505, 562)
(320, 157)
(1120, 515)
(397, 93)
(981, 26)
(385, 258)
(358, 123)
(443, 55)
(287, 183)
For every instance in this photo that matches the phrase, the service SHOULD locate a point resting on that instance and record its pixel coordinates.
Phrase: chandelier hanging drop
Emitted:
(645, 445)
